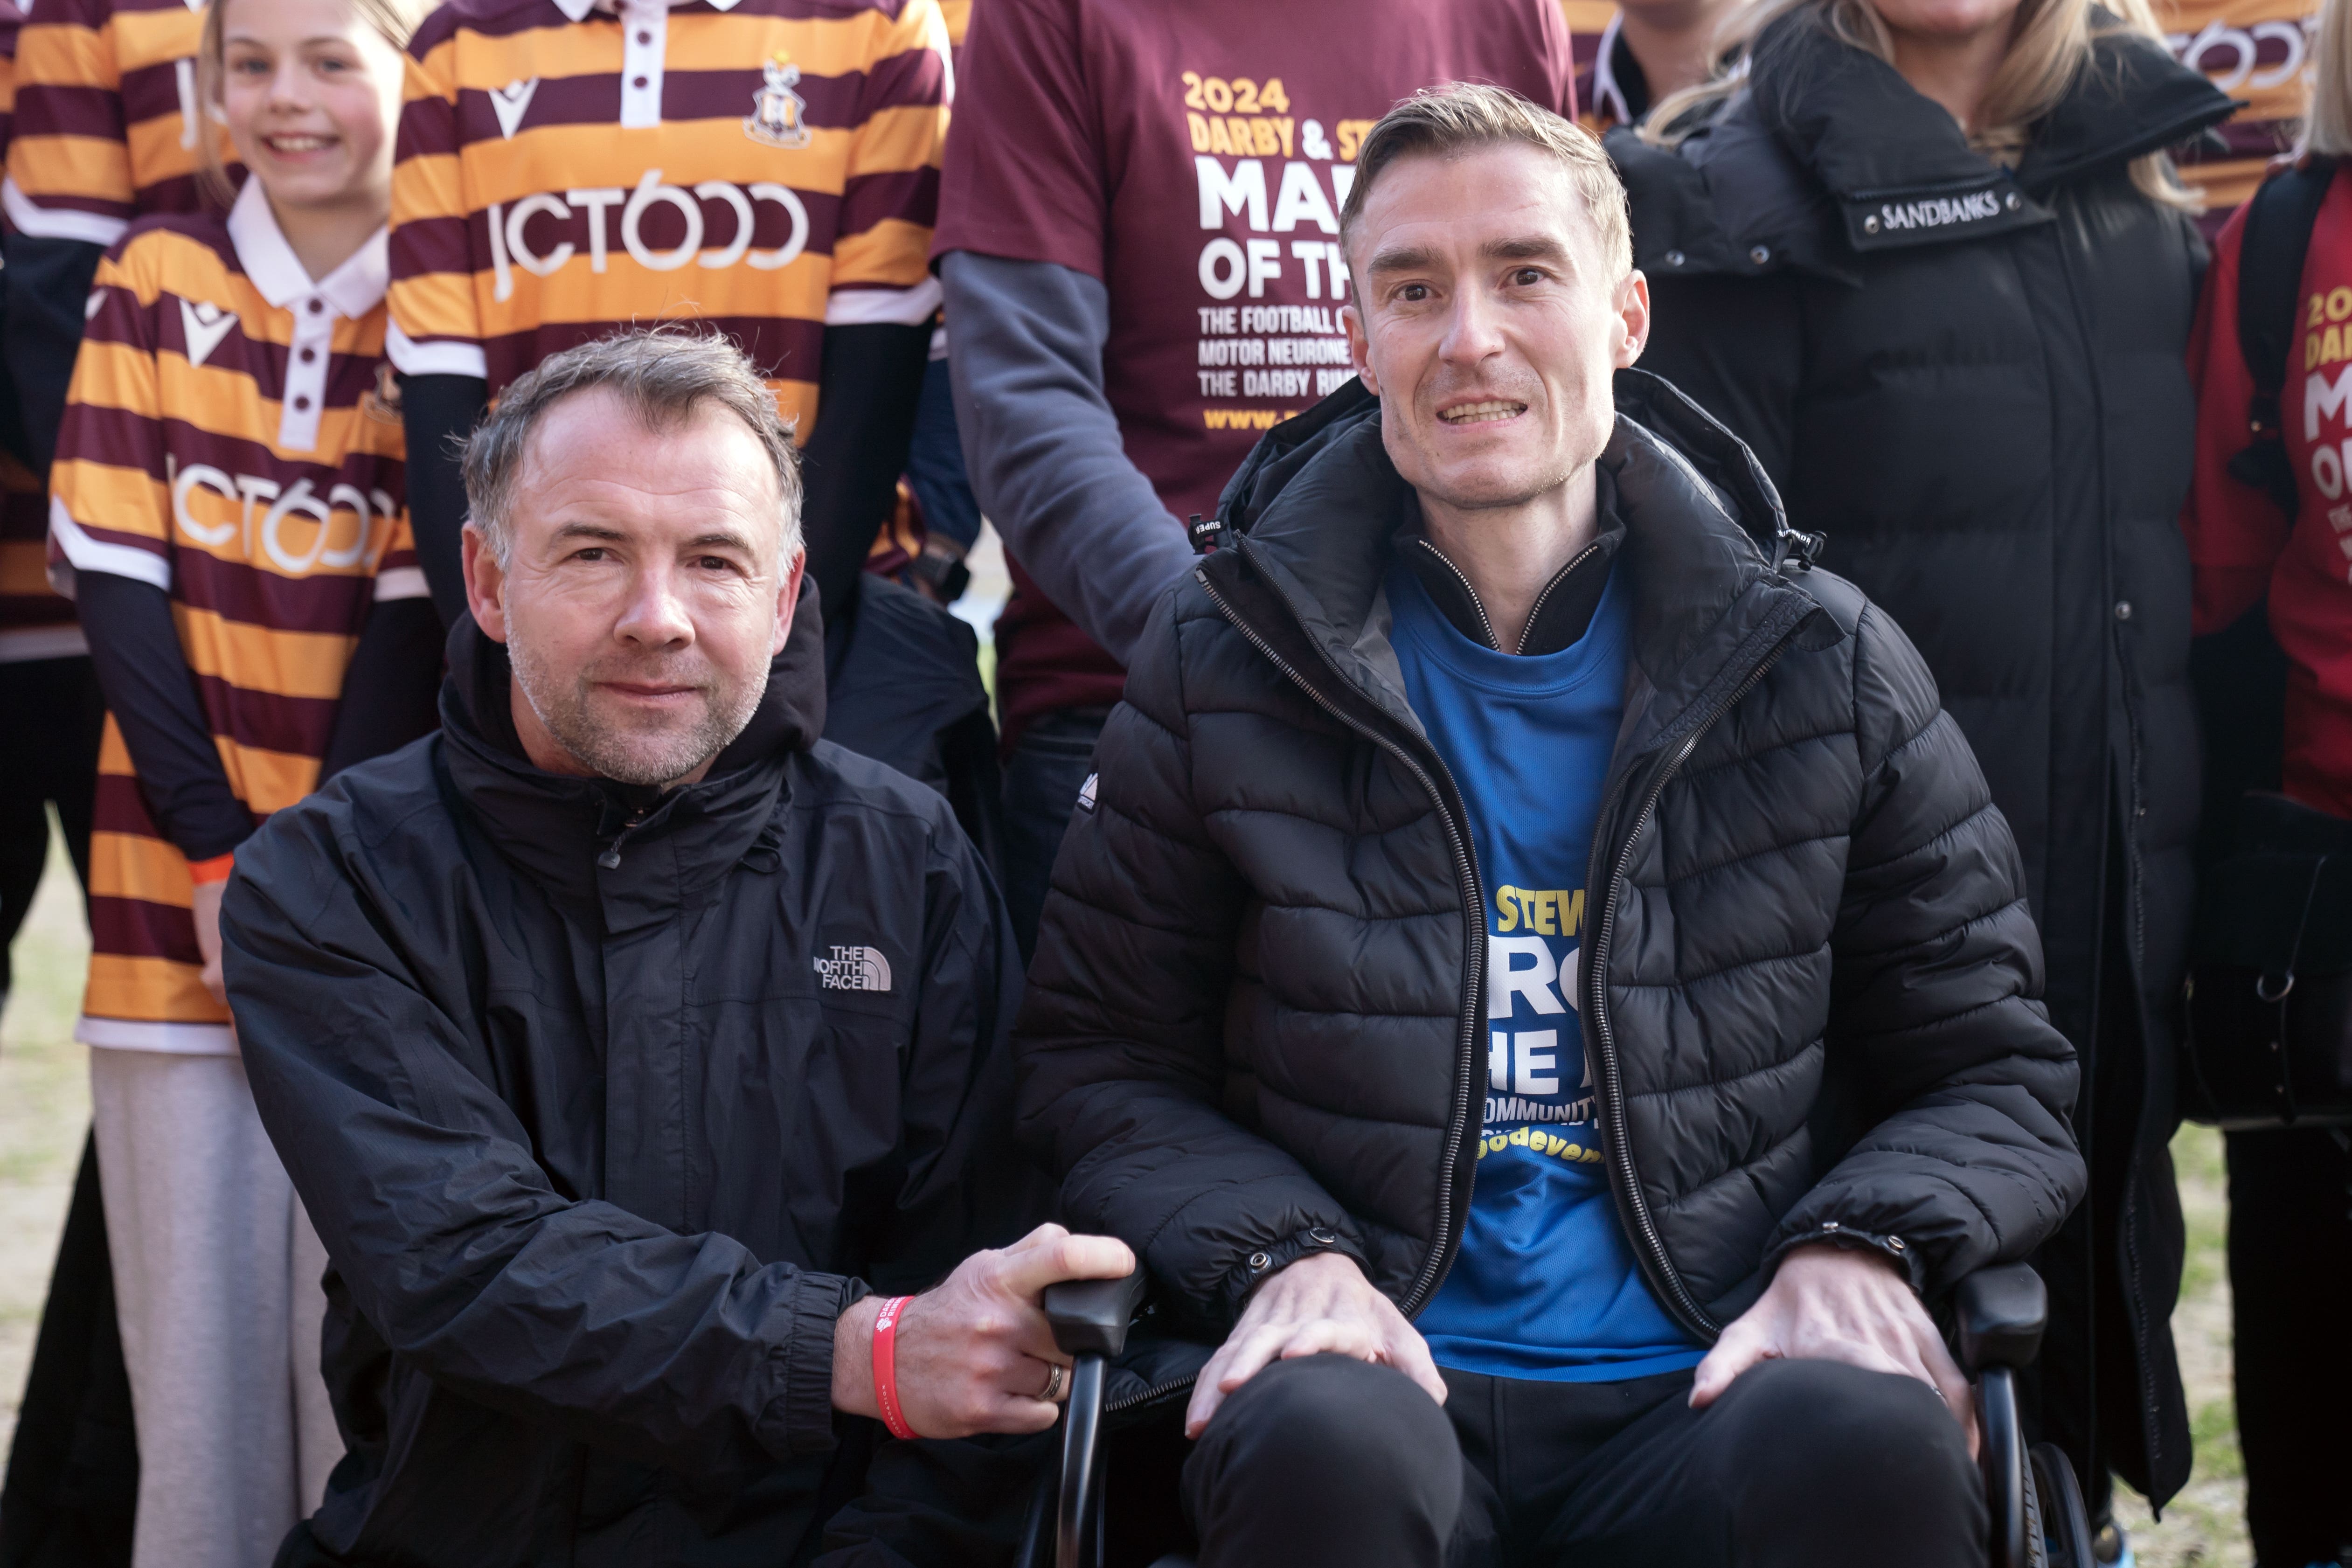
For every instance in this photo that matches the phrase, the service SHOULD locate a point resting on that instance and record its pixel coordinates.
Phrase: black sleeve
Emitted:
(440, 412)
(391, 691)
(868, 392)
(49, 288)
(147, 687)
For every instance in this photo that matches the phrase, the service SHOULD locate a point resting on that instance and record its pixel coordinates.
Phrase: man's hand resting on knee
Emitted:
(1836, 1303)
(1320, 1304)
(974, 1352)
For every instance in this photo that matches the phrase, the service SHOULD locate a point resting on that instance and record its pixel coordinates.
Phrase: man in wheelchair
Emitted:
(1536, 974)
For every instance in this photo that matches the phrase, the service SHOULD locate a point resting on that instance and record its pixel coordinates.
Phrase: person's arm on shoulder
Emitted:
(1042, 447)
(434, 337)
(67, 197)
(1935, 1026)
(882, 305)
(2236, 532)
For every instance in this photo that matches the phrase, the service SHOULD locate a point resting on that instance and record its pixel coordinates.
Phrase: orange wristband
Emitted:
(885, 1366)
(204, 873)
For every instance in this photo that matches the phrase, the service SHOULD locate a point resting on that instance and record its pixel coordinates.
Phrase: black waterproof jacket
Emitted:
(1256, 1016)
(605, 1104)
(1972, 383)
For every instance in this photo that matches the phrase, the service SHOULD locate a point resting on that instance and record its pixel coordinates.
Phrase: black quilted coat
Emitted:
(1254, 1022)
(1972, 383)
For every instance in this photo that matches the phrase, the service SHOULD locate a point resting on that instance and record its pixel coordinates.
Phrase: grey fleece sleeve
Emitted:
(1043, 446)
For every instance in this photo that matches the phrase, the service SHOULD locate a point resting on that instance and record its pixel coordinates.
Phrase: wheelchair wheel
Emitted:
(2064, 1533)
(2037, 1543)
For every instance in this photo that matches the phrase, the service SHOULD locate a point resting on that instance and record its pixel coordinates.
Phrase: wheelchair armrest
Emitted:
(1090, 1317)
(2000, 1312)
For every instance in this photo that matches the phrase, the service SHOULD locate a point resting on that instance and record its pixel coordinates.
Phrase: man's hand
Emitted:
(974, 1354)
(205, 906)
(1833, 1303)
(1320, 1303)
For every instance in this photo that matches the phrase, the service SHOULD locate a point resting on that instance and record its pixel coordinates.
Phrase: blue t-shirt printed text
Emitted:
(1544, 1286)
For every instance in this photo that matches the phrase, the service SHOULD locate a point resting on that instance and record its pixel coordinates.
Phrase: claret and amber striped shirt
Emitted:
(571, 167)
(225, 440)
(106, 121)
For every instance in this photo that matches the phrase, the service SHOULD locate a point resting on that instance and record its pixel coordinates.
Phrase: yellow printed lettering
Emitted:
(2339, 303)
(1352, 135)
(1244, 144)
(1269, 141)
(1554, 1143)
(1507, 911)
(2311, 346)
(1519, 1136)
(1548, 913)
(1573, 1151)
(1573, 922)
(1282, 127)
(1218, 140)
(1200, 128)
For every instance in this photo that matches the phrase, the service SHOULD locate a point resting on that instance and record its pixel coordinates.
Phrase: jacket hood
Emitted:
(1830, 138)
(562, 831)
(1318, 502)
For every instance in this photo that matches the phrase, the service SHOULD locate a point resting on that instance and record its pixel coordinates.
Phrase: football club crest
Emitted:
(779, 115)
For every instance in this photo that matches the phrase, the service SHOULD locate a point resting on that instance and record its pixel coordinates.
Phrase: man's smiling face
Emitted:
(644, 591)
(1486, 322)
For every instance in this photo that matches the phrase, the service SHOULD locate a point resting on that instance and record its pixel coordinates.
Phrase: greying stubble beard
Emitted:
(655, 757)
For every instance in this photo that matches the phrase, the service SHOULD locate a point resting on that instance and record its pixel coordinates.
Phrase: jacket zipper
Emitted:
(1535, 611)
(1633, 1209)
(1474, 929)
(2152, 1425)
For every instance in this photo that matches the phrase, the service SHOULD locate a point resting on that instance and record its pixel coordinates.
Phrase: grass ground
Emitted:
(45, 1107)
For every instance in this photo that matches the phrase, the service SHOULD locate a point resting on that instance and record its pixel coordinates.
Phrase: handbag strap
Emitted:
(2277, 998)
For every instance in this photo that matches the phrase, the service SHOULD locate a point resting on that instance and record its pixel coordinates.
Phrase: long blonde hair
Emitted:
(2328, 128)
(2050, 46)
(396, 20)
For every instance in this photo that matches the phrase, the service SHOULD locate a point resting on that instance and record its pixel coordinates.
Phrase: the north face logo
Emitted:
(854, 969)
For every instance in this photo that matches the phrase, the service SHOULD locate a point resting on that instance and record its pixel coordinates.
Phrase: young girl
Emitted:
(227, 502)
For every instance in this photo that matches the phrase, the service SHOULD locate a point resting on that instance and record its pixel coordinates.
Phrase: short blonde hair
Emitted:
(395, 20)
(1461, 116)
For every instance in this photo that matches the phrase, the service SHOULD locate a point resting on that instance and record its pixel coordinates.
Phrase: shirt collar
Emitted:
(1563, 610)
(577, 10)
(353, 288)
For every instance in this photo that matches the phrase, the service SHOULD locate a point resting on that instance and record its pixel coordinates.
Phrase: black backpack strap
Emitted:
(2279, 220)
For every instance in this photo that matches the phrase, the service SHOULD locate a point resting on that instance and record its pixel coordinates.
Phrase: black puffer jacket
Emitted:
(605, 1104)
(1973, 385)
(1254, 1018)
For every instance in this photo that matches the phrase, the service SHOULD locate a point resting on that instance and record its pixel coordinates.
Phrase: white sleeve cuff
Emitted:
(84, 554)
(890, 307)
(399, 583)
(27, 216)
(443, 358)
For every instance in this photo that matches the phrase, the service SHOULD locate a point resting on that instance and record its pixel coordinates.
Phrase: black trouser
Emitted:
(2290, 1277)
(1329, 1461)
(73, 1471)
(1047, 766)
(50, 713)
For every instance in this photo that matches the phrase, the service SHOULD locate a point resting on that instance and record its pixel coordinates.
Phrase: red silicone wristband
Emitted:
(885, 1366)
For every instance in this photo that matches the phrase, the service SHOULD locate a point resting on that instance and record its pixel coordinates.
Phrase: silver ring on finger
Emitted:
(1052, 1394)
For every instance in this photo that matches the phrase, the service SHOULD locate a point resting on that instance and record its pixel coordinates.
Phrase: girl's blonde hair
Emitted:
(2328, 129)
(2049, 47)
(396, 20)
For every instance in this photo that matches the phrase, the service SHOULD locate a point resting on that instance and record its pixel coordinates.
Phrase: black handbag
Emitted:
(2269, 1037)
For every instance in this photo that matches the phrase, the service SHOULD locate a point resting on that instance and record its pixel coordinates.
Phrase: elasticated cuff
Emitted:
(799, 1419)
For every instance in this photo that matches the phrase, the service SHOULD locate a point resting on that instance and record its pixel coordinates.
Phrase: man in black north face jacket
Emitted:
(627, 1044)
(1299, 1031)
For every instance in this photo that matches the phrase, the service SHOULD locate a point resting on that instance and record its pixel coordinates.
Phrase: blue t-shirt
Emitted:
(1545, 1285)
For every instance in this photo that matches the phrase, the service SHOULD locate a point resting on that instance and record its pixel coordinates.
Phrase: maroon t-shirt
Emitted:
(1193, 157)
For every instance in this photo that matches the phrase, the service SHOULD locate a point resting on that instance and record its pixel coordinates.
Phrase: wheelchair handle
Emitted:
(1090, 1317)
(2002, 1311)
